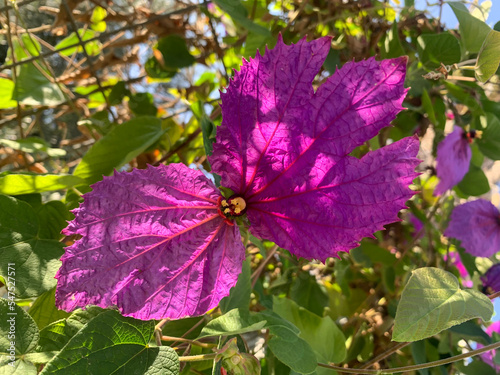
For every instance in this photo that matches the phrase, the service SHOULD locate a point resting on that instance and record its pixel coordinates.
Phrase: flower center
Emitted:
(471, 134)
(233, 206)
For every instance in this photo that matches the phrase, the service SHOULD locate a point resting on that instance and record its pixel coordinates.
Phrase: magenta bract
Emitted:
(477, 225)
(284, 148)
(152, 244)
(453, 159)
(161, 242)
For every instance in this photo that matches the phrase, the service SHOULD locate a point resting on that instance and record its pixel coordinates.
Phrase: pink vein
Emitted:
(149, 210)
(277, 123)
(317, 137)
(189, 263)
(153, 261)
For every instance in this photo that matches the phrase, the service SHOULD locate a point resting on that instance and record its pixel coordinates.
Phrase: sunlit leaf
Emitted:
(123, 143)
(489, 57)
(33, 144)
(92, 48)
(111, 335)
(322, 334)
(472, 30)
(432, 301)
(25, 183)
(6, 91)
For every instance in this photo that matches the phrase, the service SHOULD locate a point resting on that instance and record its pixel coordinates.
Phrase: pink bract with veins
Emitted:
(162, 242)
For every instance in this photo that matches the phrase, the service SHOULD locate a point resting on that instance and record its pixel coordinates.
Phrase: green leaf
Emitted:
(123, 143)
(118, 92)
(154, 70)
(97, 19)
(419, 355)
(209, 131)
(6, 91)
(322, 334)
(432, 301)
(471, 331)
(475, 182)
(143, 104)
(25, 183)
(489, 143)
(25, 46)
(465, 96)
(98, 14)
(107, 344)
(25, 333)
(18, 336)
(57, 334)
(285, 344)
(475, 367)
(239, 14)
(434, 49)
(93, 48)
(35, 260)
(44, 310)
(392, 45)
(33, 144)
(489, 57)
(306, 291)
(34, 88)
(175, 54)
(292, 350)
(54, 215)
(234, 322)
(239, 296)
(332, 61)
(472, 30)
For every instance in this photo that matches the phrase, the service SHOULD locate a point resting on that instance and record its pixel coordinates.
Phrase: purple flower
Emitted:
(418, 226)
(453, 159)
(477, 225)
(491, 279)
(161, 243)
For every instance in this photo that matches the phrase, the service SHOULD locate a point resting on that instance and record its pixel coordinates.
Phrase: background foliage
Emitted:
(87, 87)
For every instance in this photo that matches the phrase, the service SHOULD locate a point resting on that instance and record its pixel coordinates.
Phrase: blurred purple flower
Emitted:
(491, 279)
(477, 225)
(488, 356)
(453, 159)
(161, 242)
(418, 226)
(454, 258)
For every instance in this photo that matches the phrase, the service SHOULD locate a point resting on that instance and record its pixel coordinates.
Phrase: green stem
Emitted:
(197, 358)
(413, 367)
(192, 342)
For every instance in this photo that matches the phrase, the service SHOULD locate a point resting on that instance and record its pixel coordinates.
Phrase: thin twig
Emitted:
(205, 345)
(413, 367)
(103, 36)
(258, 271)
(90, 65)
(384, 355)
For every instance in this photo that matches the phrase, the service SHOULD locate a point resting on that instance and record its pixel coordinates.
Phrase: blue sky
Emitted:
(449, 18)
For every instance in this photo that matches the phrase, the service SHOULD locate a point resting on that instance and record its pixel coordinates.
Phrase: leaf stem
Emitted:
(258, 271)
(197, 358)
(413, 367)
(192, 342)
(494, 295)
